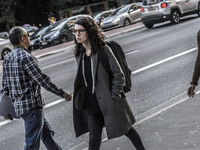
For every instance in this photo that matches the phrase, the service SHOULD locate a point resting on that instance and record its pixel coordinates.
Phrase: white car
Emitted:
(122, 16)
(158, 11)
(4, 35)
(5, 48)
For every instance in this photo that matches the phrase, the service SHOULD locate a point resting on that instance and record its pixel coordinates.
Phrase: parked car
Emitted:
(122, 16)
(5, 48)
(102, 15)
(30, 29)
(163, 10)
(59, 32)
(4, 35)
(34, 38)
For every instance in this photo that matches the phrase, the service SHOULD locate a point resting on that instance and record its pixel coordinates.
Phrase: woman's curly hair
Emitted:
(94, 34)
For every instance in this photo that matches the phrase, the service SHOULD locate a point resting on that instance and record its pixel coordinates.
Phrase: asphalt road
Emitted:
(165, 73)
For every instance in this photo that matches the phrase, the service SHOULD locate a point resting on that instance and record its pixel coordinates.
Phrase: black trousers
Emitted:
(95, 125)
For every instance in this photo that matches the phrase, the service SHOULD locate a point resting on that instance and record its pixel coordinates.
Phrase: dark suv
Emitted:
(156, 11)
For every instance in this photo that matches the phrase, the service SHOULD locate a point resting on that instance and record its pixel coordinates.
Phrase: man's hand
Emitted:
(191, 89)
(8, 117)
(69, 97)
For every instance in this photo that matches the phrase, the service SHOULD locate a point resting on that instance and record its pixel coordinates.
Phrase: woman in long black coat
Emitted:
(105, 105)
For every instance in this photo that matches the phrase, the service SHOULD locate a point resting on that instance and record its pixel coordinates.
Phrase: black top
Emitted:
(92, 103)
(88, 72)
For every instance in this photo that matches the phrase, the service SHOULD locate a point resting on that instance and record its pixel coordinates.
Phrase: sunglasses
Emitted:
(27, 35)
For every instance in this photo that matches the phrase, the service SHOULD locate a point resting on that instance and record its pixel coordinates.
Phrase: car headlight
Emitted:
(116, 20)
(40, 38)
(32, 42)
(55, 34)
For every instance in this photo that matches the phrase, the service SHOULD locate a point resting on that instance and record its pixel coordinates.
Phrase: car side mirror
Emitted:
(131, 10)
(66, 27)
(101, 18)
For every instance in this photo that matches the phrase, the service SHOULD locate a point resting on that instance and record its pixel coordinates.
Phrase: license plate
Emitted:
(44, 43)
(152, 8)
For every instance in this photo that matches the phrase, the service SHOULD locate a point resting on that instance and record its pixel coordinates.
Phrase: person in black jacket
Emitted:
(105, 103)
(196, 73)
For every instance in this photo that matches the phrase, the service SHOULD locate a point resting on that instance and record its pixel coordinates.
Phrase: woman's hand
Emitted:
(69, 97)
(191, 89)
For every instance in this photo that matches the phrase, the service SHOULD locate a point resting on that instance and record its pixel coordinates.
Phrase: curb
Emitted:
(128, 30)
(54, 52)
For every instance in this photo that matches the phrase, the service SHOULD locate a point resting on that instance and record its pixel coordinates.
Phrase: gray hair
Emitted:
(15, 34)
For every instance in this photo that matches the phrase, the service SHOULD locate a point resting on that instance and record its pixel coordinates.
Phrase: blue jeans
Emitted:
(37, 128)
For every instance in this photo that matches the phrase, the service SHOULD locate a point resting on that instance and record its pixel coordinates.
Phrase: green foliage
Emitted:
(7, 13)
(33, 11)
(58, 4)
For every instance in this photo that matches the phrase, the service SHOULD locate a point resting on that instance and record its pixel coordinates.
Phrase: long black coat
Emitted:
(196, 73)
(117, 114)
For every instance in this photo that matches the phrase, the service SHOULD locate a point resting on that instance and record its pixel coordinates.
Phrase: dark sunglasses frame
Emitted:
(27, 35)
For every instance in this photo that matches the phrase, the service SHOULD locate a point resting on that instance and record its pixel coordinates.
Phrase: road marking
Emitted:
(46, 106)
(77, 146)
(163, 61)
(134, 51)
(54, 103)
(166, 108)
(5, 122)
(53, 52)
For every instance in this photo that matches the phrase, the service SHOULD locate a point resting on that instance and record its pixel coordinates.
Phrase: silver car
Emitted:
(158, 11)
(5, 48)
(122, 16)
(4, 35)
(102, 15)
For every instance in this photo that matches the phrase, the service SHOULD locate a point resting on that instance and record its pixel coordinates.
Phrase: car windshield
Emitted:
(97, 17)
(56, 26)
(4, 35)
(120, 10)
(59, 25)
(150, 2)
(39, 32)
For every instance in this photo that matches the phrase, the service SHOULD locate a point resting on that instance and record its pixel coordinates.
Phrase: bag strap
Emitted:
(103, 59)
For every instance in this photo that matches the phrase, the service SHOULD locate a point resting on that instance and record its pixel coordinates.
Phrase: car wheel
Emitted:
(198, 12)
(64, 39)
(149, 25)
(5, 53)
(127, 22)
(175, 17)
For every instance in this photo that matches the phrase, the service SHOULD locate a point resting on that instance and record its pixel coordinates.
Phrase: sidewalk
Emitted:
(176, 128)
